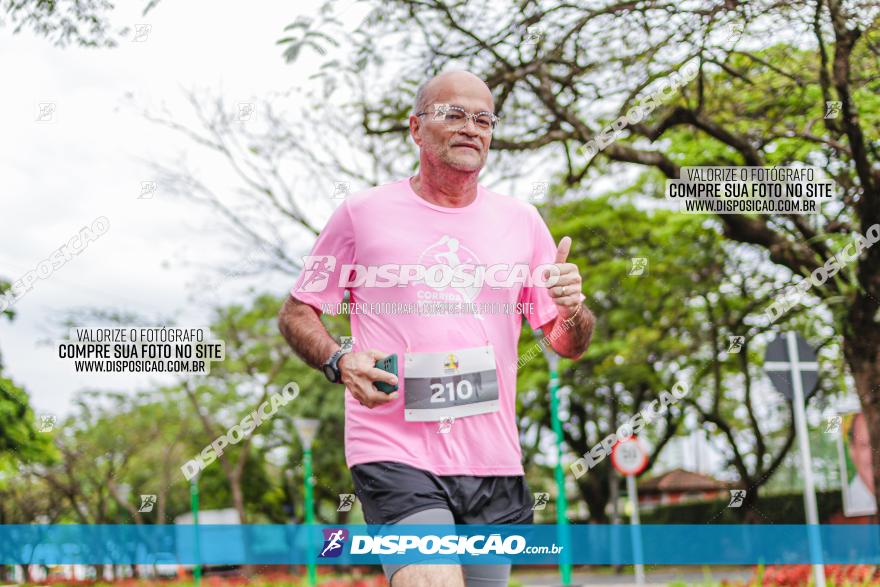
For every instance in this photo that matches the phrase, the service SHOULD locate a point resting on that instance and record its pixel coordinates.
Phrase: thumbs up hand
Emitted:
(566, 289)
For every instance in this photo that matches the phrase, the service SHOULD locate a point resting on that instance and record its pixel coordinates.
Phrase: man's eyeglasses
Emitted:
(456, 118)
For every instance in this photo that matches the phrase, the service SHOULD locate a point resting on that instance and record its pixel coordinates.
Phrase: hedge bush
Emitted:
(777, 509)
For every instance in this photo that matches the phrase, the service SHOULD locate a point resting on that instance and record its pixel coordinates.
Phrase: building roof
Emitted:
(681, 480)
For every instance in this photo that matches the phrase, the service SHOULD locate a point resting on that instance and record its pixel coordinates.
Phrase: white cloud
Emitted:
(89, 161)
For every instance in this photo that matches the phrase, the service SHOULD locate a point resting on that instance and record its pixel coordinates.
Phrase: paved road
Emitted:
(690, 575)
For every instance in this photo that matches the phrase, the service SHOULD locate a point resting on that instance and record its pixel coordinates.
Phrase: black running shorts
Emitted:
(390, 491)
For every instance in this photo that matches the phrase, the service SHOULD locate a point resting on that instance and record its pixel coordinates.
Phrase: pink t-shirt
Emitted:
(391, 224)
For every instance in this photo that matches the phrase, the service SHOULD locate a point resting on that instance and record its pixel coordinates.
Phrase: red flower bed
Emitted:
(361, 577)
(799, 575)
(374, 581)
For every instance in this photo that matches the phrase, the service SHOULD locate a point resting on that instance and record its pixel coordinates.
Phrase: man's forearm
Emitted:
(570, 337)
(304, 331)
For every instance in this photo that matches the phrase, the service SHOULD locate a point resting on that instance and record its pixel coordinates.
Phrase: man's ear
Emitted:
(415, 127)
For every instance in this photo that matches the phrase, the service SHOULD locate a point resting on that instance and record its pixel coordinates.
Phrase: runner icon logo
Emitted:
(445, 424)
(346, 500)
(736, 343)
(333, 542)
(833, 425)
(639, 266)
(147, 503)
(47, 423)
(736, 498)
(832, 108)
(541, 501)
(318, 268)
(539, 192)
(341, 189)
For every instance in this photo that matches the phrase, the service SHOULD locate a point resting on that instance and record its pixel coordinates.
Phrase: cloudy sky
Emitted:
(91, 158)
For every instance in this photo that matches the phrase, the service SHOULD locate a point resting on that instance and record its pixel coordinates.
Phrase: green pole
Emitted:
(561, 500)
(194, 502)
(310, 513)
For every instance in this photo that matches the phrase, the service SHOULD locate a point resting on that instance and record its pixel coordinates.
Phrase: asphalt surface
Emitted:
(689, 575)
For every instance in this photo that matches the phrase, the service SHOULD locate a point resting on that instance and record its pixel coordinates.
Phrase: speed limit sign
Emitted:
(629, 457)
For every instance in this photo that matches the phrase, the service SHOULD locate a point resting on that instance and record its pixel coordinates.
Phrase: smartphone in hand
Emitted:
(388, 364)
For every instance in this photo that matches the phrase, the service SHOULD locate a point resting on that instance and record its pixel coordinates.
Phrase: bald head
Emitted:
(448, 83)
(444, 146)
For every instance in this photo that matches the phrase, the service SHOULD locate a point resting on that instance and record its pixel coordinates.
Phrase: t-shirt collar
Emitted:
(445, 209)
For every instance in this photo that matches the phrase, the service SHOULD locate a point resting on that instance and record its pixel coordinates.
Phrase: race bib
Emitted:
(460, 383)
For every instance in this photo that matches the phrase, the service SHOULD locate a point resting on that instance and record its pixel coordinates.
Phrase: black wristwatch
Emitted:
(331, 366)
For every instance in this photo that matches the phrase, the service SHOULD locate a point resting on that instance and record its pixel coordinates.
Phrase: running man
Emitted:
(450, 257)
(406, 468)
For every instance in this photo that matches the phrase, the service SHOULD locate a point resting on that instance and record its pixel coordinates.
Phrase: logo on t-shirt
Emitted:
(448, 267)
(449, 251)
(317, 272)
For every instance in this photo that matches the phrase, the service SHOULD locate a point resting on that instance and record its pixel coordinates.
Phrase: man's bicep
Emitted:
(295, 302)
(295, 310)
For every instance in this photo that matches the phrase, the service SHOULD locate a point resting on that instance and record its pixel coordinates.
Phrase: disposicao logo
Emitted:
(334, 541)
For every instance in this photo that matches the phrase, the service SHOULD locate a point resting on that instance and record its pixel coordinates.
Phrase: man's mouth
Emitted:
(474, 147)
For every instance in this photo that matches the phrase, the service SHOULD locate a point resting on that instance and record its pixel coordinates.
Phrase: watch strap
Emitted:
(333, 362)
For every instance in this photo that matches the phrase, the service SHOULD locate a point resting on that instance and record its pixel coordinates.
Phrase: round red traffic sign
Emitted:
(629, 457)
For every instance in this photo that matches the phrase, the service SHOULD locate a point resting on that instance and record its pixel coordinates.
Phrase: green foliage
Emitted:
(7, 312)
(19, 439)
(302, 35)
(83, 22)
(116, 446)
(258, 358)
(648, 326)
(786, 508)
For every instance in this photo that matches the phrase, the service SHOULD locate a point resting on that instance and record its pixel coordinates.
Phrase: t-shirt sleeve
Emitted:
(319, 281)
(538, 305)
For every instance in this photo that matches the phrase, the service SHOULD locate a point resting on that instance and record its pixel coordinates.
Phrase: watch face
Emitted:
(329, 373)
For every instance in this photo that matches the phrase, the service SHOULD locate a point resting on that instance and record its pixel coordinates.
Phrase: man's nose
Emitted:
(470, 128)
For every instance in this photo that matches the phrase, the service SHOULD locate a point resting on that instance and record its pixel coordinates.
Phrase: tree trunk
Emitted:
(238, 498)
(594, 489)
(747, 511)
